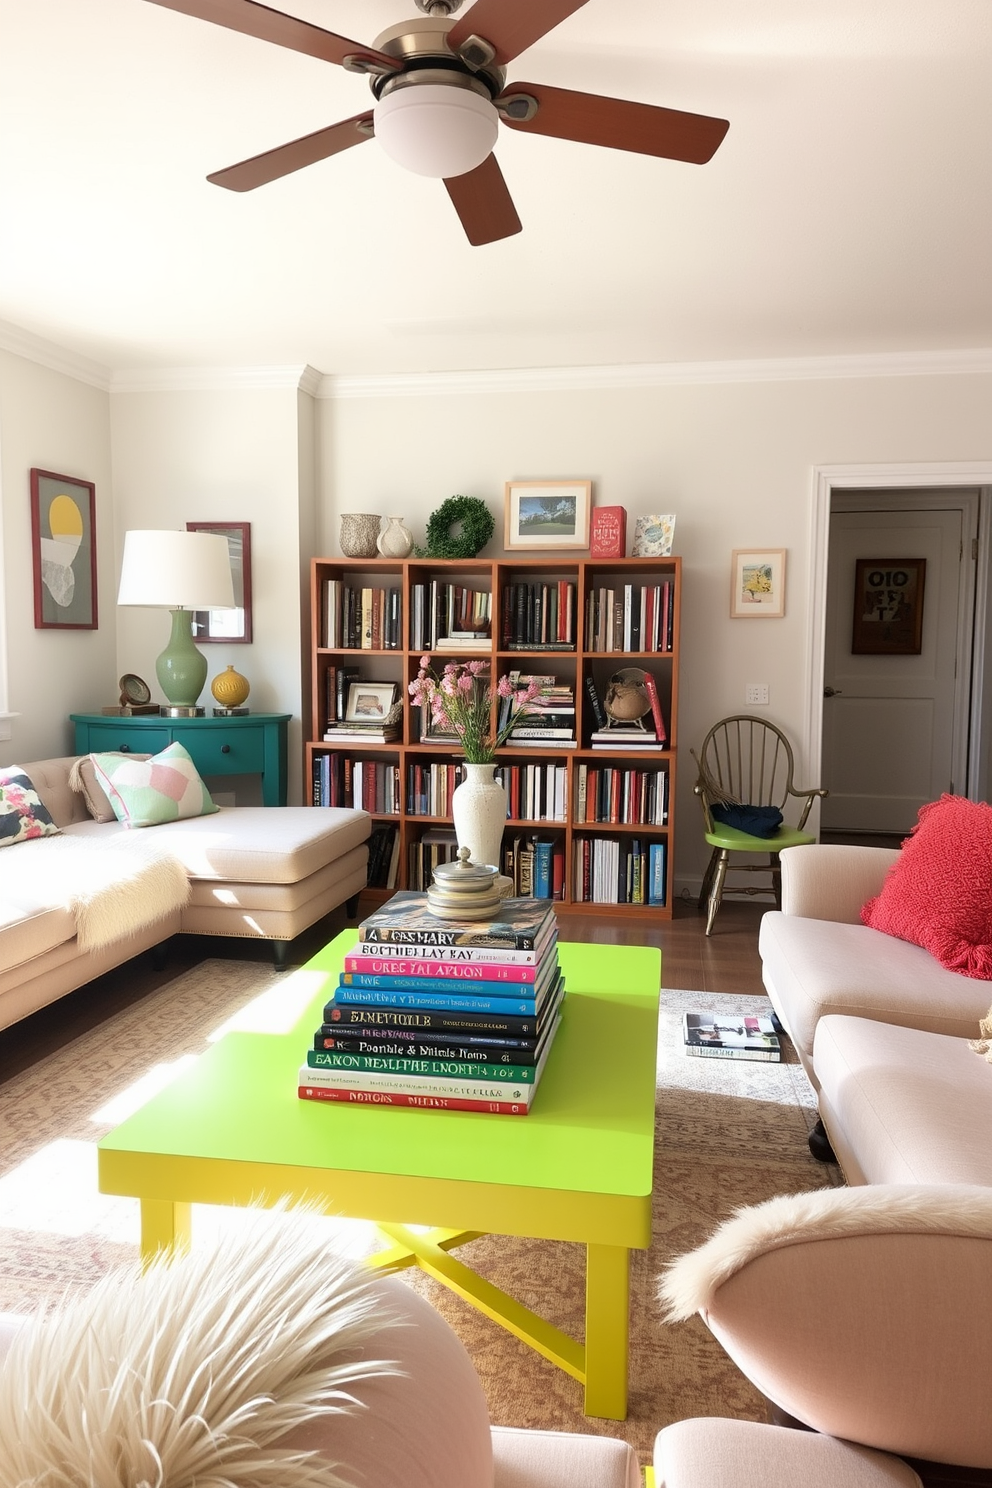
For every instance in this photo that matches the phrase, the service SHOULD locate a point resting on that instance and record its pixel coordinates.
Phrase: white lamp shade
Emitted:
(436, 130)
(176, 570)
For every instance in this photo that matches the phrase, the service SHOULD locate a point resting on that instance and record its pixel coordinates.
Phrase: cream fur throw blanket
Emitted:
(113, 887)
(187, 1374)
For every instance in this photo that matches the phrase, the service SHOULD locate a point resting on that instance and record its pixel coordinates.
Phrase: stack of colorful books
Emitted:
(441, 1015)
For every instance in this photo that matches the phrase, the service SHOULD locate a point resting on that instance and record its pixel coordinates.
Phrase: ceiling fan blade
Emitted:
(284, 30)
(510, 26)
(594, 120)
(483, 203)
(260, 169)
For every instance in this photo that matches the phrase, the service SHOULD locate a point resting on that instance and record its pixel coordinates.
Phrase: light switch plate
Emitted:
(756, 694)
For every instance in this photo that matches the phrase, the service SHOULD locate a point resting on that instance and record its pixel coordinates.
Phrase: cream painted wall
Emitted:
(213, 456)
(53, 422)
(734, 461)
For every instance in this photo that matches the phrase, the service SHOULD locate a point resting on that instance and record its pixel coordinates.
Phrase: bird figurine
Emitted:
(627, 700)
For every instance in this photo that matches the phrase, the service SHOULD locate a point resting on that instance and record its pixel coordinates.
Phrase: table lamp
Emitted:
(181, 572)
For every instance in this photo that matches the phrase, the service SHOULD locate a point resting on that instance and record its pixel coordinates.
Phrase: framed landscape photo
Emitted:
(757, 584)
(232, 626)
(369, 702)
(546, 515)
(63, 551)
(888, 606)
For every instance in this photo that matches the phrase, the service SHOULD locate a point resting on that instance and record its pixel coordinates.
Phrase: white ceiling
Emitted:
(849, 209)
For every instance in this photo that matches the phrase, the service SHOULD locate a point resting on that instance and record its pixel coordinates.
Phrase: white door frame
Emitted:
(830, 478)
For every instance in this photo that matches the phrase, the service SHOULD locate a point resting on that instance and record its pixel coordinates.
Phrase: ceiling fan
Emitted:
(440, 90)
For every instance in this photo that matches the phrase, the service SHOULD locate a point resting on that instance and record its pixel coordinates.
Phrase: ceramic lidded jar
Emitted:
(359, 534)
(395, 540)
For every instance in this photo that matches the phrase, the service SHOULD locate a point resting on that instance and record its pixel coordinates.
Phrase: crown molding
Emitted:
(34, 348)
(657, 374)
(214, 379)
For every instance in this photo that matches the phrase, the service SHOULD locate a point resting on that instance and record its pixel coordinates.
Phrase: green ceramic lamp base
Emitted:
(181, 669)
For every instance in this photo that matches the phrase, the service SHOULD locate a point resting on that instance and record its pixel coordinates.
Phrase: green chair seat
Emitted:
(736, 841)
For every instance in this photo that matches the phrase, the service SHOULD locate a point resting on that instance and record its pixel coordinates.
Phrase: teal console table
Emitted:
(246, 744)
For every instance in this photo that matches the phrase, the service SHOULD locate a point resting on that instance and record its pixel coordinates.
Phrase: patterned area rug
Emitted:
(729, 1133)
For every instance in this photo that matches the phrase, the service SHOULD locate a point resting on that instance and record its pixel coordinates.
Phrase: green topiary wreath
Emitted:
(477, 527)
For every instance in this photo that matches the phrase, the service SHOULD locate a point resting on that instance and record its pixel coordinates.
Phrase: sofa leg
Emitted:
(280, 954)
(819, 1144)
(351, 905)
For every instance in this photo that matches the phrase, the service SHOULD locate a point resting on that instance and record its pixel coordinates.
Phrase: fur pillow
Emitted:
(82, 779)
(939, 893)
(190, 1372)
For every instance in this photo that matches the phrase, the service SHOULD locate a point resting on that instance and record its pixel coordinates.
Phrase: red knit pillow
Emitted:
(939, 894)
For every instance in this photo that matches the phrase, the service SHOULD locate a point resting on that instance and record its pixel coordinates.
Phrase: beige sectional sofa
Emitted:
(881, 1028)
(75, 905)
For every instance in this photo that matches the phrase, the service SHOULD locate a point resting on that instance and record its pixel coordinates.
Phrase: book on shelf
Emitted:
(625, 738)
(608, 532)
(406, 920)
(651, 688)
(347, 733)
(595, 703)
(538, 616)
(724, 1036)
(452, 645)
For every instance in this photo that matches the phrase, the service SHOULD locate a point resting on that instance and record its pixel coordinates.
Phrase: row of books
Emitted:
(370, 785)
(365, 618)
(440, 1016)
(538, 616)
(436, 845)
(626, 737)
(384, 856)
(534, 792)
(606, 870)
(615, 794)
(535, 866)
(635, 617)
(441, 611)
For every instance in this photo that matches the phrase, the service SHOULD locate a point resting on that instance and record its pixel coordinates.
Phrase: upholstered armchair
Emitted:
(261, 1359)
(863, 1315)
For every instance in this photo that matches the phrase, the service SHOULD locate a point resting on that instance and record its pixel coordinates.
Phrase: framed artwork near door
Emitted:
(757, 584)
(888, 606)
(63, 551)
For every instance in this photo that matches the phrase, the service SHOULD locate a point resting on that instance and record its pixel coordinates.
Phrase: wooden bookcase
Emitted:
(396, 659)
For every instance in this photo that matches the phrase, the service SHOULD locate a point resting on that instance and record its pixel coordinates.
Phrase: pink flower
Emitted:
(504, 687)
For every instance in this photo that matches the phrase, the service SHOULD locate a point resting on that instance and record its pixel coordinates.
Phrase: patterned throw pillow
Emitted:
(145, 793)
(22, 814)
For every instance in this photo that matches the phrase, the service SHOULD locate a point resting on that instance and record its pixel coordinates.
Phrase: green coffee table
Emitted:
(232, 1130)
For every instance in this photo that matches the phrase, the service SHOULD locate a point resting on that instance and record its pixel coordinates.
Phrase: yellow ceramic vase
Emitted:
(230, 688)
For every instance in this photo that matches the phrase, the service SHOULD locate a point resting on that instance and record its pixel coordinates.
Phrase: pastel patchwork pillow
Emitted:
(939, 893)
(146, 792)
(22, 814)
(82, 778)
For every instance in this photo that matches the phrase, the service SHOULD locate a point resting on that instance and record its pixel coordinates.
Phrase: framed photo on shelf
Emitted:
(63, 551)
(888, 606)
(547, 515)
(369, 702)
(757, 584)
(232, 626)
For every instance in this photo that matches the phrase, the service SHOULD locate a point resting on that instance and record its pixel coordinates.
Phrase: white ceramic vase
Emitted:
(478, 807)
(395, 540)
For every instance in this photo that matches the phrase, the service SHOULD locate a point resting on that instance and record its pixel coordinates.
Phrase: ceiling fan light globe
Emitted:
(435, 130)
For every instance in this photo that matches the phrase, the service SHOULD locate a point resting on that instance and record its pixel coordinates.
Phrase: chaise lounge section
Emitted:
(251, 872)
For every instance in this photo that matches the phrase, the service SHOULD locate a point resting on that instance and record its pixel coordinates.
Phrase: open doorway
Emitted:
(897, 692)
(894, 731)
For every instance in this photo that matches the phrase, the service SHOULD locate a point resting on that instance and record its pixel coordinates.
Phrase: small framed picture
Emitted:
(369, 702)
(888, 606)
(547, 514)
(757, 584)
(63, 551)
(232, 626)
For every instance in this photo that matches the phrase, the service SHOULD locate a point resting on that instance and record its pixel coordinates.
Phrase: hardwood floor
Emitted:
(726, 962)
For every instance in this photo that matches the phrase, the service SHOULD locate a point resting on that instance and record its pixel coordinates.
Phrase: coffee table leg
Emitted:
(607, 1328)
(164, 1226)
